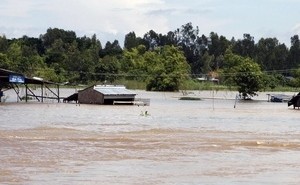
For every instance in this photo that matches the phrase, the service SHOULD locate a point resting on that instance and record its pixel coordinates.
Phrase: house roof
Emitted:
(113, 90)
(5, 75)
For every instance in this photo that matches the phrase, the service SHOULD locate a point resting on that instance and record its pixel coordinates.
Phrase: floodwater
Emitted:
(179, 142)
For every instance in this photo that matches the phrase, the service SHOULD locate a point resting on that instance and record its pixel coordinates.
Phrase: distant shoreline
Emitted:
(10, 95)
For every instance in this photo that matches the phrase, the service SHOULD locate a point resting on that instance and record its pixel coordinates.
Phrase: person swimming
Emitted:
(144, 113)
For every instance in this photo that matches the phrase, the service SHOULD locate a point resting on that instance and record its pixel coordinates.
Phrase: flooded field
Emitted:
(179, 142)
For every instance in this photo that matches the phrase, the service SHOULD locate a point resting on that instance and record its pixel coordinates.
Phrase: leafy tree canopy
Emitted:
(244, 73)
(60, 56)
(167, 70)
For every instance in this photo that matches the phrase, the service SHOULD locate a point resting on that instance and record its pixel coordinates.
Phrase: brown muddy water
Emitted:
(180, 142)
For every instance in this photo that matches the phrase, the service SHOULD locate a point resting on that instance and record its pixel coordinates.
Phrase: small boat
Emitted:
(278, 97)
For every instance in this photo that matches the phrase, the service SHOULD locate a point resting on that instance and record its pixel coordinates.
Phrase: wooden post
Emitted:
(213, 100)
(26, 93)
(58, 94)
(42, 88)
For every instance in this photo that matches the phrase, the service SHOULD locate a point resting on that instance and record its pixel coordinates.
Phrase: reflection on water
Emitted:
(180, 142)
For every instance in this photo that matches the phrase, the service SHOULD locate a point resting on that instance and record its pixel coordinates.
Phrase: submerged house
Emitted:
(106, 94)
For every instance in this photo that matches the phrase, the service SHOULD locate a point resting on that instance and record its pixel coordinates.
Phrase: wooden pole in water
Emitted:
(42, 88)
(58, 99)
(213, 100)
(26, 92)
(235, 101)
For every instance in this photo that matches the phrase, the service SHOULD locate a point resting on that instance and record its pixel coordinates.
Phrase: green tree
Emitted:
(78, 66)
(14, 54)
(151, 39)
(245, 47)
(294, 54)
(270, 54)
(85, 43)
(243, 73)
(281, 55)
(228, 71)
(48, 74)
(56, 53)
(133, 63)
(217, 48)
(131, 41)
(112, 49)
(167, 68)
(295, 82)
(4, 61)
(271, 80)
(248, 78)
(35, 45)
(207, 63)
(54, 33)
(3, 44)
(107, 69)
(192, 45)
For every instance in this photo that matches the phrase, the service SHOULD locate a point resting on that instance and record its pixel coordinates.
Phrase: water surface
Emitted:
(180, 142)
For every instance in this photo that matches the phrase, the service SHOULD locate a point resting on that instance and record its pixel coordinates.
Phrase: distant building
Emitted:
(106, 94)
(206, 79)
(210, 77)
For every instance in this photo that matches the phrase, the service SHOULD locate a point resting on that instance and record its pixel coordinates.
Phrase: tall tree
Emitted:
(14, 54)
(55, 33)
(3, 44)
(56, 53)
(168, 39)
(270, 54)
(217, 48)
(152, 40)
(294, 55)
(112, 49)
(131, 41)
(281, 55)
(265, 53)
(192, 45)
(245, 47)
(133, 63)
(87, 43)
(35, 44)
(4, 61)
(107, 69)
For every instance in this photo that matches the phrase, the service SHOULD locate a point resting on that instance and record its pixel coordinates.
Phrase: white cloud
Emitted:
(296, 29)
(13, 8)
(115, 18)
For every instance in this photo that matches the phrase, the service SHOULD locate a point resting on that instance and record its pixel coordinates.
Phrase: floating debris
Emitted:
(189, 98)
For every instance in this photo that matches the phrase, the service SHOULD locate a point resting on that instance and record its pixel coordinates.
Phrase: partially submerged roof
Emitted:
(113, 90)
(8, 76)
(11, 80)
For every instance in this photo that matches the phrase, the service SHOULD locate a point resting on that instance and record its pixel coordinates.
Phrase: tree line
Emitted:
(162, 61)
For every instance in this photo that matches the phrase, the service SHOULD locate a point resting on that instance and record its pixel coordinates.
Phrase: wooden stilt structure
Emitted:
(12, 80)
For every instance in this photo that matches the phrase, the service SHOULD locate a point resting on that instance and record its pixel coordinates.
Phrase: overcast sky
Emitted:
(113, 19)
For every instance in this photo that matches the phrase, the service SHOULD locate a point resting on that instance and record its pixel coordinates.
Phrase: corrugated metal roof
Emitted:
(113, 90)
(4, 77)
